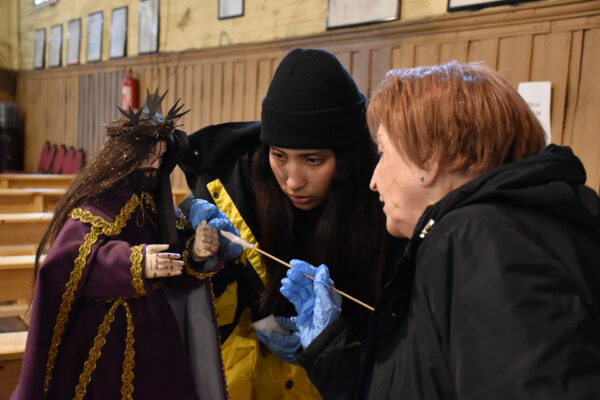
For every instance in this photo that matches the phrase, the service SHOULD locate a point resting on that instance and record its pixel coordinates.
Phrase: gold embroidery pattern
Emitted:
(182, 223)
(99, 226)
(136, 270)
(128, 362)
(188, 269)
(96, 351)
(149, 201)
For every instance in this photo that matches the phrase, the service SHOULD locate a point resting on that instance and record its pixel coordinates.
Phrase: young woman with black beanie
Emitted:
(296, 185)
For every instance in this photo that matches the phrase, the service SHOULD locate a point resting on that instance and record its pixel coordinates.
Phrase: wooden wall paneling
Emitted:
(427, 54)
(361, 69)
(345, 58)
(239, 90)
(227, 94)
(163, 78)
(187, 98)
(173, 86)
(217, 93)
(250, 89)
(196, 98)
(455, 50)
(585, 141)
(403, 56)
(572, 86)
(550, 64)
(485, 50)
(207, 104)
(515, 48)
(265, 73)
(380, 64)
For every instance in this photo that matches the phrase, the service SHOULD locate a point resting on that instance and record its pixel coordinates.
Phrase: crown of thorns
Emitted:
(148, 121)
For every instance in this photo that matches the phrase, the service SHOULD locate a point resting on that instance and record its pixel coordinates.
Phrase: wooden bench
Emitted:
(29, 200)
(12, 347)
(179, 195)
(18, 250)
(16, 277)
(23, 228)
(44, 181)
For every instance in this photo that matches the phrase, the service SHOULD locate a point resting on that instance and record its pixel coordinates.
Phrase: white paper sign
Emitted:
(356, 12)
(537, 95)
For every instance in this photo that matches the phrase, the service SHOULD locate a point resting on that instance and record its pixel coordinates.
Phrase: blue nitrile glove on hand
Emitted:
(202, 210)
(316, 303)
(283, 346)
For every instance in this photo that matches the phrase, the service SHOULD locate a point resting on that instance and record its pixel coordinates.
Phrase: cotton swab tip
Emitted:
(236, 239)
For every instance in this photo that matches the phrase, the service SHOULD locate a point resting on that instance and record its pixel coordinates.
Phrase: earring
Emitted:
(422, 180)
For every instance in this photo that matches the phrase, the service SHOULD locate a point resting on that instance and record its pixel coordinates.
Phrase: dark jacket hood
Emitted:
(551, 181)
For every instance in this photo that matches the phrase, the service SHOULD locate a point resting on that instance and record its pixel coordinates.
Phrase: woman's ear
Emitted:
(430, 172)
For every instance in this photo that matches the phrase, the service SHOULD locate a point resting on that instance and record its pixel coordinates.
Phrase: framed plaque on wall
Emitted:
(341, 13)
(148, 26)
(38, 48)
(55, 46)
(231, 8)
(94, 37)
(73, 41)
(118, 32)
(456, 5)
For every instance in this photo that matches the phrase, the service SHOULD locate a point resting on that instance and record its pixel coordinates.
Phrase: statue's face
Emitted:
(145, 177)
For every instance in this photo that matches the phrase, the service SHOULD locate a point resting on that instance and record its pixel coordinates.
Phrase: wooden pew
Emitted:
(12, 347)
(23, 228)
(29, 200)
(18, 250)
(44, 181)
(16, 277)
(179, 195)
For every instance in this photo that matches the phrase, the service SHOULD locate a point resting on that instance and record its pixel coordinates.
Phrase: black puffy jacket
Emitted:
(499, 298)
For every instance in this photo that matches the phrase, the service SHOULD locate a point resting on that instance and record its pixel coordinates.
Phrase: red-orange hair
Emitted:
(466, 114)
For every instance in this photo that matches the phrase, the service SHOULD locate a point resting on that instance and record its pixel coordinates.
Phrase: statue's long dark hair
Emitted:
(349, 234)
(111, 168)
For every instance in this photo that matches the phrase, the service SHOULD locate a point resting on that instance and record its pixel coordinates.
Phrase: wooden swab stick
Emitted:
(238, 240)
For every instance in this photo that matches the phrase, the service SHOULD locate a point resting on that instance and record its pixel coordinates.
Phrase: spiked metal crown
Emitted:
(148, 121)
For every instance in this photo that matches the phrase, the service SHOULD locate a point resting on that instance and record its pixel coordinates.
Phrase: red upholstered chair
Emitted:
(43, 155)
(59, 159)
(67, 166)
(78, 161)
(46, 158)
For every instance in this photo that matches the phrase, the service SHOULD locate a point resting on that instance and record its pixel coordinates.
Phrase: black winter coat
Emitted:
(498, 299)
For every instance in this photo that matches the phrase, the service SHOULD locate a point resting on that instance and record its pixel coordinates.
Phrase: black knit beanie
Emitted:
(312, 103)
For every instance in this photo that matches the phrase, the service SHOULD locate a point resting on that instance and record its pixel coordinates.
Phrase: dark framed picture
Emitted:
(94, 36)
(73, 41)
(457, 5)
(118, 33)
(231, 9)
(148, 26)
(343, 13)
(39, 48)
(55, 46)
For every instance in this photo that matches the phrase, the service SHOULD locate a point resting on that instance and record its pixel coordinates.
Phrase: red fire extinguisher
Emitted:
(130, 92)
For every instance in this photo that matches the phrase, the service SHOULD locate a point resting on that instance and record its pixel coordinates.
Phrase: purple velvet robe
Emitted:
(161, 368)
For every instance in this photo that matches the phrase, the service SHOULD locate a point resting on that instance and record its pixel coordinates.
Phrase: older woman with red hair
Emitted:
(496, 296)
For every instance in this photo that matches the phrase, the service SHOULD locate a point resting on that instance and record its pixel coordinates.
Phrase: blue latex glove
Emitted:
(283, 346)
(316, 304)
(202, 210)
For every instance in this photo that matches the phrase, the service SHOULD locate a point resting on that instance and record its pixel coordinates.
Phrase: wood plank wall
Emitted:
(548, 40)
(7, 85)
